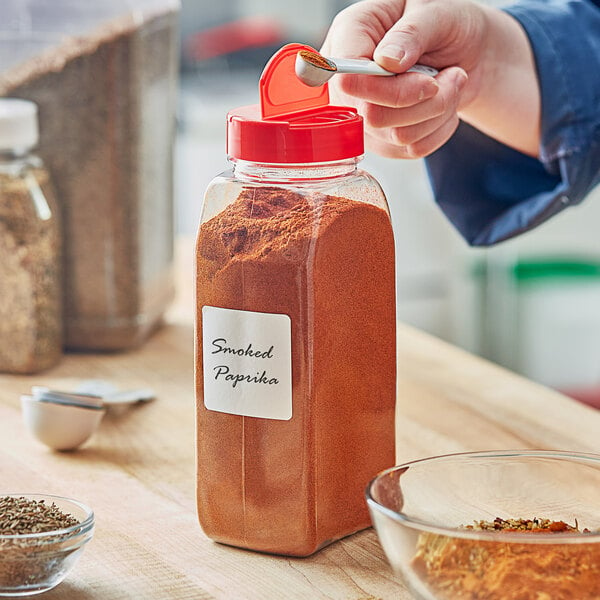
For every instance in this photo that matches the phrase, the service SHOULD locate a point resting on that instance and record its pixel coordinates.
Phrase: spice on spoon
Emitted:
(318, 60)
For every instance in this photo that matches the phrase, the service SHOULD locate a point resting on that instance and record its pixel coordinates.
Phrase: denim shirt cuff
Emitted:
(491, 192)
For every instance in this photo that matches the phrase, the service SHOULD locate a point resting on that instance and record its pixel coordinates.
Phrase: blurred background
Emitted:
(531, 304)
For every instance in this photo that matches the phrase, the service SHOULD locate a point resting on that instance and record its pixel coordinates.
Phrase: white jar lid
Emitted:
(18, 124)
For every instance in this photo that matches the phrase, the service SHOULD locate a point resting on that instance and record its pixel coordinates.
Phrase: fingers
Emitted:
(410, 114)
(415, 103)
(394, 92)
(420, 29)
(347, 26)
(383, 148)
(421, 128)
(419, 148)
(355, 31)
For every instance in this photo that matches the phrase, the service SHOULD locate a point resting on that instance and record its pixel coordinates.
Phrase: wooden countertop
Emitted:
(137, 471)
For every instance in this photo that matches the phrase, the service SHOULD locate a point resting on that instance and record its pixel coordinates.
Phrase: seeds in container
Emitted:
(20, 516)
(31, 561)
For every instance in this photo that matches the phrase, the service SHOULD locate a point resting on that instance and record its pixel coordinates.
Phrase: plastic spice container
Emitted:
(295, 352)
(30, 242)
(104, 76)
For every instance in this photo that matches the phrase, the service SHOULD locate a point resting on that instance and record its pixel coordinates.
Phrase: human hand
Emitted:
(410, 115)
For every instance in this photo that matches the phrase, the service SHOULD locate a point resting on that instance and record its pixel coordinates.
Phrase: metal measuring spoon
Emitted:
(314, 69)
(93, 394)
(44, 394)
(111, 395)
(65, 420)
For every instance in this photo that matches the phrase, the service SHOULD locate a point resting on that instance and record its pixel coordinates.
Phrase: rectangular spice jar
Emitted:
(295, 338)
(104, 77)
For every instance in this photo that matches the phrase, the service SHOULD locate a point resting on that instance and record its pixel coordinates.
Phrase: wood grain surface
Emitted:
(137, 471)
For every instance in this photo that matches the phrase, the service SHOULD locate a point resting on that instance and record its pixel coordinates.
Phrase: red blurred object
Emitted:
(591, 397)
(250, 32)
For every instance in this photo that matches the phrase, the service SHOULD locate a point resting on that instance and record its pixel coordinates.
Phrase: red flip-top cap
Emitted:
(294, 123)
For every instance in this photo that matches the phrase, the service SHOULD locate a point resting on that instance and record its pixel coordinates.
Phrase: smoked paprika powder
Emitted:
(295, 328)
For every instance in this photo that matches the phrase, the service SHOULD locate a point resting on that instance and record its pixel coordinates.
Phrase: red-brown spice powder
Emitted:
(464, 569)
(317, 59)
(290, 487)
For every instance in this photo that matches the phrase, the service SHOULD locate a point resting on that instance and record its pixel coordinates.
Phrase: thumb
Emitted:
(407, 40)
(355, 30)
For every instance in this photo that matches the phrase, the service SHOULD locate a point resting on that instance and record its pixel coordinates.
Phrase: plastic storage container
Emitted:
(104, 76)
(30, 248)
(295, 352)
(541, 317)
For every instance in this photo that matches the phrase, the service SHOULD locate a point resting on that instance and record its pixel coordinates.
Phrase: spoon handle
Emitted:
(370, 67)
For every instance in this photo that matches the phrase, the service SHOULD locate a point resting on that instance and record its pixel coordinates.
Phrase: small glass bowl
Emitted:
(37, 562)
(421, 511)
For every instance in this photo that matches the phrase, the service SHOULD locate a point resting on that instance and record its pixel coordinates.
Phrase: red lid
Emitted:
(294, 123)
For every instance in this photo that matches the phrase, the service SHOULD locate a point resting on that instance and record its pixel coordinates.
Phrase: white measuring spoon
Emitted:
(314, 70)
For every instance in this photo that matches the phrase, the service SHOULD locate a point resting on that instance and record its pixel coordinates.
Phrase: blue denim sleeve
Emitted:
(491, 192)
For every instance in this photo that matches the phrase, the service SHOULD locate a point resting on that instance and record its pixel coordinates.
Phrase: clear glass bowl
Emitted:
(37, 562)
(420, 511)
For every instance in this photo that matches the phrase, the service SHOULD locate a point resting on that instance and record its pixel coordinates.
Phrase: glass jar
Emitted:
(295, 352)
(30, 243)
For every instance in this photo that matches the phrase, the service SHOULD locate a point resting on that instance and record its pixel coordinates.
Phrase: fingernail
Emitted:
(391, 52)
(461, 81)
(429, 90)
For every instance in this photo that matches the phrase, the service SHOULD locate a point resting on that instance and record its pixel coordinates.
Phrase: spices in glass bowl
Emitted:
(33, 558)
(20, 516)
(534, 525)
(464, 569)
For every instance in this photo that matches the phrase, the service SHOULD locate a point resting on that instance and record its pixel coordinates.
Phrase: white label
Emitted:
(247, 358)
